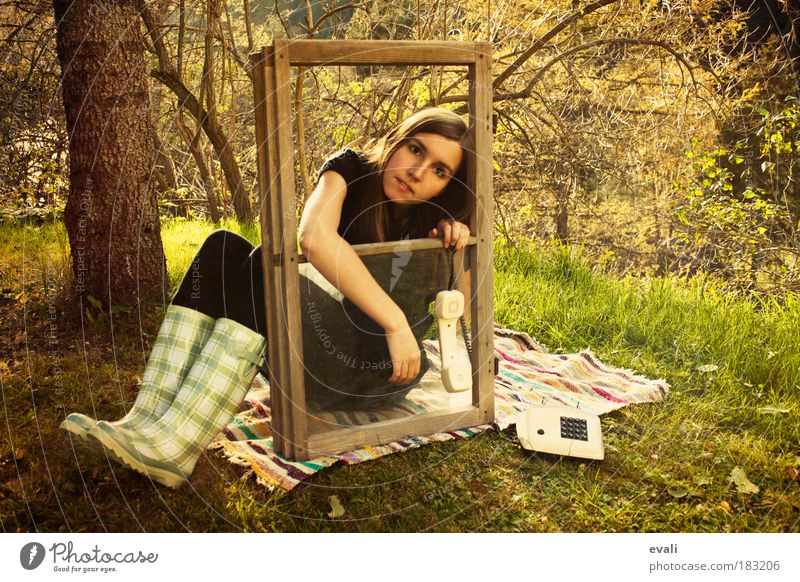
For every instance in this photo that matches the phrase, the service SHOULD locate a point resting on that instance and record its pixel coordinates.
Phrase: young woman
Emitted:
(410, 184)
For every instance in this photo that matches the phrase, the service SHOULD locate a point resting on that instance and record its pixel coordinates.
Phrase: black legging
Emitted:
(225, 279)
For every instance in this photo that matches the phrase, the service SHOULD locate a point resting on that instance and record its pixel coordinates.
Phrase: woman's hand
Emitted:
(454, 234)
(404, 352)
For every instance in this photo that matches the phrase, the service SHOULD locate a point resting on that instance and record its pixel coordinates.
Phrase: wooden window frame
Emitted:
(281, 257)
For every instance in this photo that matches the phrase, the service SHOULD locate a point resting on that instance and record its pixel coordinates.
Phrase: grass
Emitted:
(733, 362)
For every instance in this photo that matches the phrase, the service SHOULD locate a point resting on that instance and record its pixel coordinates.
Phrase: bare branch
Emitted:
(541, 42)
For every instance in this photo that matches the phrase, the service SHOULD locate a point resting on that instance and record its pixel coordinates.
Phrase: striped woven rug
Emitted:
(528, 375)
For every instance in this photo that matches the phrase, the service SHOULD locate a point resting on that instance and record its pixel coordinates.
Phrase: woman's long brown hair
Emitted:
(457, 201)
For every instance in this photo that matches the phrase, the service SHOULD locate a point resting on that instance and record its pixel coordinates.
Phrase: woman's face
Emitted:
(421, 168)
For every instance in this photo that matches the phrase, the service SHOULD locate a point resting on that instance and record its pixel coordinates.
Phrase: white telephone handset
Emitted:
(456, 366)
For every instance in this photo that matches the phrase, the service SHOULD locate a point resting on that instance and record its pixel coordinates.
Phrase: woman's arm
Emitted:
(336, 260)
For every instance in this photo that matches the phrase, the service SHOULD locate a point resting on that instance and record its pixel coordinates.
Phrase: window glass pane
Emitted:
(345, 353)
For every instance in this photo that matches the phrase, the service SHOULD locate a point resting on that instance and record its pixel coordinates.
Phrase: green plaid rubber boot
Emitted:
(180, 338)
(168, 449)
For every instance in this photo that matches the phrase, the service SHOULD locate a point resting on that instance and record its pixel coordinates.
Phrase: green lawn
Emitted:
(722, 453)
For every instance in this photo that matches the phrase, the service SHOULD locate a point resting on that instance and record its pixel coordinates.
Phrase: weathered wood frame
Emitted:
(276, 183)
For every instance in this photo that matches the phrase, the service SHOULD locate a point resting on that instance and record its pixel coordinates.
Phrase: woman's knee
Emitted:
(222, 238)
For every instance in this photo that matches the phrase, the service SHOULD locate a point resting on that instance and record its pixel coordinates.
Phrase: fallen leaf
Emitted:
(726, 507)
(707, 368)
(743, 484)
(793, 473)
(677, 491)
(772, 410)
(336, 506)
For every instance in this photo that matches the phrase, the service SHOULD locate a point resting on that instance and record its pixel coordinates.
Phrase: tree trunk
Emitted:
(217, 137)
(111, 215)
(165, 166)
(562, 221)
(193, 143)
(564, 197)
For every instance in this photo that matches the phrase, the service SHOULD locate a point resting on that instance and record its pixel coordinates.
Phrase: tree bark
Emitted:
(111, 214)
